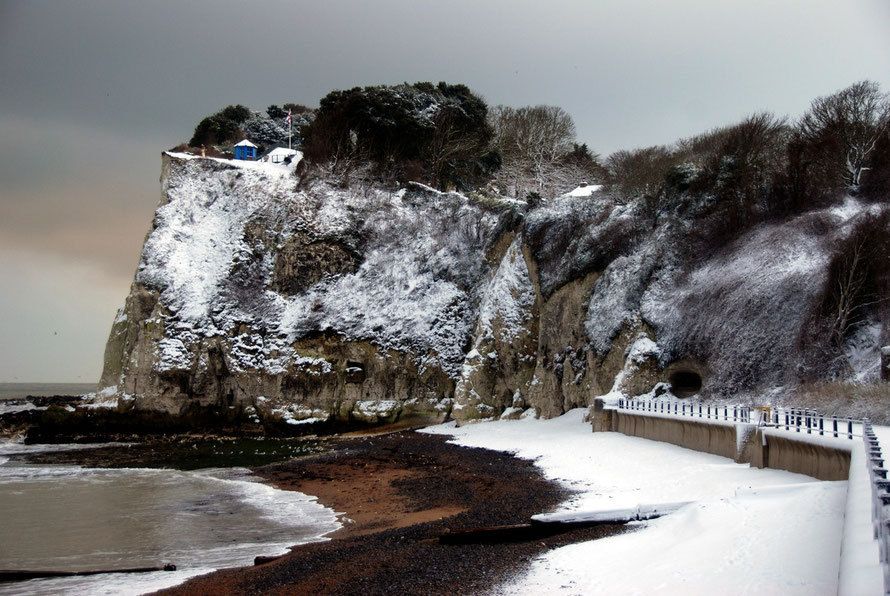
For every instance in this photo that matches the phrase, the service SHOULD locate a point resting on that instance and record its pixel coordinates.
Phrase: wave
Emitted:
(200, 521)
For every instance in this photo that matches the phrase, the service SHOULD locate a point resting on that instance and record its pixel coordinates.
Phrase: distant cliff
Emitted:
(268, 297)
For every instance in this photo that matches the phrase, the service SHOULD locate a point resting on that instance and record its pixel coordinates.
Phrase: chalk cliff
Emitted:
(270, 296)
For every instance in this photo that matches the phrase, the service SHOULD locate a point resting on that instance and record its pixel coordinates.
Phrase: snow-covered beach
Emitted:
(745, 530)
(741, 530)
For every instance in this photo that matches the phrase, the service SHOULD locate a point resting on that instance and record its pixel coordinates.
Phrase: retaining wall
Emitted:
(824, 458)
(806, 454)
(692, 433)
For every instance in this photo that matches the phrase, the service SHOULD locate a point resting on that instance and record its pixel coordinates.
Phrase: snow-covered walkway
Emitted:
(748, 531)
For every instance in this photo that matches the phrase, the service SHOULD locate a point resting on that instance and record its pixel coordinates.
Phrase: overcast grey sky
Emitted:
(92, 91)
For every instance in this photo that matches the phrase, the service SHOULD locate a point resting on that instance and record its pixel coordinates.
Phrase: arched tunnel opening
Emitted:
(685, 383)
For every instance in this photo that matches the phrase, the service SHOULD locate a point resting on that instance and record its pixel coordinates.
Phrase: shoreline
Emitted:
(395, 494)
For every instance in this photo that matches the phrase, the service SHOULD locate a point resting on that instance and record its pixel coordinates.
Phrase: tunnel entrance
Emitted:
(685, 383)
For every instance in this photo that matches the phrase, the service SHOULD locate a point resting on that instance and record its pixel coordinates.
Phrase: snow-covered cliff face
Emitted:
(268, 300)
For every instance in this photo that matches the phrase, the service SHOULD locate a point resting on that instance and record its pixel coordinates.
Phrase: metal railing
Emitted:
(811, 422)
(880, 497)
(676, 408)
(800, 420)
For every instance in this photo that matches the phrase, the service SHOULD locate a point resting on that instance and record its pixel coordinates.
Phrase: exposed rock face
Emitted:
(302, 263)
(262, 299)
(498, 369)
(325, 304)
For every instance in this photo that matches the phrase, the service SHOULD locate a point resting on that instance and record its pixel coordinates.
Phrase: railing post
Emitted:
(850, 427)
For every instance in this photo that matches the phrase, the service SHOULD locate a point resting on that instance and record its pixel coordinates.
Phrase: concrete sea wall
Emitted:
(820, 457)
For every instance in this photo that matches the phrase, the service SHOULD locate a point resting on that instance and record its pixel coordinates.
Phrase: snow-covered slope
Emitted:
(281, 298)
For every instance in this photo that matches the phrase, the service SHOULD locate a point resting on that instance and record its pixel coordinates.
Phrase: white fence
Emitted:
(791, 419)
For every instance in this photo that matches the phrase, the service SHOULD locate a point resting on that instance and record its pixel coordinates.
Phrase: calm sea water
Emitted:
(20, 390)
(69, 518)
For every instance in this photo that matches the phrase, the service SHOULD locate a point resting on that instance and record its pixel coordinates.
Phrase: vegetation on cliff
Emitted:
(748, 260)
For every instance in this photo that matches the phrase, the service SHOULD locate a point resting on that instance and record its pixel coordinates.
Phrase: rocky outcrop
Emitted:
(268, 303)
(269, 299)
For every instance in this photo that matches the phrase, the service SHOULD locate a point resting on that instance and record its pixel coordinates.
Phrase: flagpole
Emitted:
(290, 129)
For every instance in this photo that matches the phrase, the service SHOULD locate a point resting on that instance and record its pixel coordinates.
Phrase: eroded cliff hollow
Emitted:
(268, 298)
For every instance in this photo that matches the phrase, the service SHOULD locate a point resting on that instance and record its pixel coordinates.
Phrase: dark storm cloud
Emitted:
(140, 66)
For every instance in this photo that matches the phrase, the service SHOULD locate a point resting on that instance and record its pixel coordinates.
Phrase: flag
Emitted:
(288, 117)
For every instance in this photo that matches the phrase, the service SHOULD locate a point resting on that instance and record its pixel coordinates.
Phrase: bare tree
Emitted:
(639, 173)
(533, 142)
(451, 144)
(858, 277)
(845, 128)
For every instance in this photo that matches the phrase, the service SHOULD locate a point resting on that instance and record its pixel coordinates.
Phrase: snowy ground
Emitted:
(746, 531)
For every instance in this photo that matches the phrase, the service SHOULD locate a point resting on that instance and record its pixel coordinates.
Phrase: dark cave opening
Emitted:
(685, 383)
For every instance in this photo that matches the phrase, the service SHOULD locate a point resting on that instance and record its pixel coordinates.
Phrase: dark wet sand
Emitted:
(396, 494)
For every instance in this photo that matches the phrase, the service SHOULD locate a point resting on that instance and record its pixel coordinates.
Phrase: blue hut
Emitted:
(245, 150)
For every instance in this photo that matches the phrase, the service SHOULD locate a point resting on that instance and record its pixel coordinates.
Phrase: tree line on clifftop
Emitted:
(447, 136)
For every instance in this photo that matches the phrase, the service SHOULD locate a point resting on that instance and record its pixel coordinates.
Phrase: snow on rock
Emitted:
(863, 351)
(254, 280)
(615, 300)
(503, 349)
(585, 190)
(508, 299)
(414, 290)
(572, 236)
(642, 349)
(742, 312)
(640, 358)
(197, 232)
(172, 355)
(297, 414)
(423, 254)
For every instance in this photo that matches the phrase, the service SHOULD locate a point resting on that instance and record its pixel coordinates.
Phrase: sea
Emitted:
(22, 390)
(72, 518)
